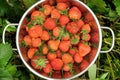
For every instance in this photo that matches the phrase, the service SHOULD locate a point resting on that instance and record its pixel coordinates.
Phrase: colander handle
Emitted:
(113, 39)
(3, 34)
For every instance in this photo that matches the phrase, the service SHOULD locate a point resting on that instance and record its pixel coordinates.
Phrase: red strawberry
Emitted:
(67, 58)
(75, 13)
(59, 55)
(92, 54)
(72, 51)
(31, 52)
(36, 42)
(51, 56)
(66, 37)
(45, 35)
(63, 20)
(86, 29)
(61, 6)
(94, 26)
(80, 23)
(84, 64)
(86, 37)
(94, 37)
(84, 49)
(38, 62)
(56, 31)
(33, 63)
(55, 14)
(67, 74)
(35, 31)
(67, 67)
(57, 64)
(47, 68)
(78, 58)
(56, 74)
(53, 44)
(72, 27)
(27, 39)
(64, 46)
(37, 14)
(49, 24)
(88, 17)
(47, 9)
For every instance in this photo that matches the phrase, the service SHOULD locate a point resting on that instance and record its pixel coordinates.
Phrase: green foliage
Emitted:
(117, 5)
(92, 72)
(5, 75)
(5, 55)
(28, 3)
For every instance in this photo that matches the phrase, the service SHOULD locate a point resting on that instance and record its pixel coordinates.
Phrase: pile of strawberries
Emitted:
(57, 40)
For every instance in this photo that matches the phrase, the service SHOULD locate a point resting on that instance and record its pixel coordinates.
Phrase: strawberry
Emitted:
(66, 37)
(67, 67)
(84, 64)
(92, 54)
(49, 24)
(36, 42)
(53, 44)
(47, 68)
(86, 37)
(67, 58)
(78, 58)
(75, 39)
(63, 20)
(37, 14)
(38, 62)
(72, 27)
(31, 52)
(86, 29)
(64, 46)
(94, 37)
(51, 56)
(33, 63)
(58, 53)
(88, 17)
(45, 35)
(80, 23)
(72, 51)
(67, 74)
(57, 64)
(56, 74)
(94, 26)
(27, 39)
(47, 9)
(55, 14)
(56, 31)
(35, 31)
(45, 49)
(84, 49)
(75, 13)
(61, 6)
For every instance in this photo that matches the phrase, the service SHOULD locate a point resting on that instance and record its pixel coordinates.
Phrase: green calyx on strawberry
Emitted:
(41, 62)
(75, 39)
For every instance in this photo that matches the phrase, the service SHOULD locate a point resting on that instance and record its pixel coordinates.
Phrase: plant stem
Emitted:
(111, 68)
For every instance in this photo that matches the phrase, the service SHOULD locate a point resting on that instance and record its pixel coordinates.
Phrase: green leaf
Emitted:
(103, 76)
(5, 75)
(97, 6)
(28, 3)
(117, 5)
(92, 72)
(5, 54)
(11, 69)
